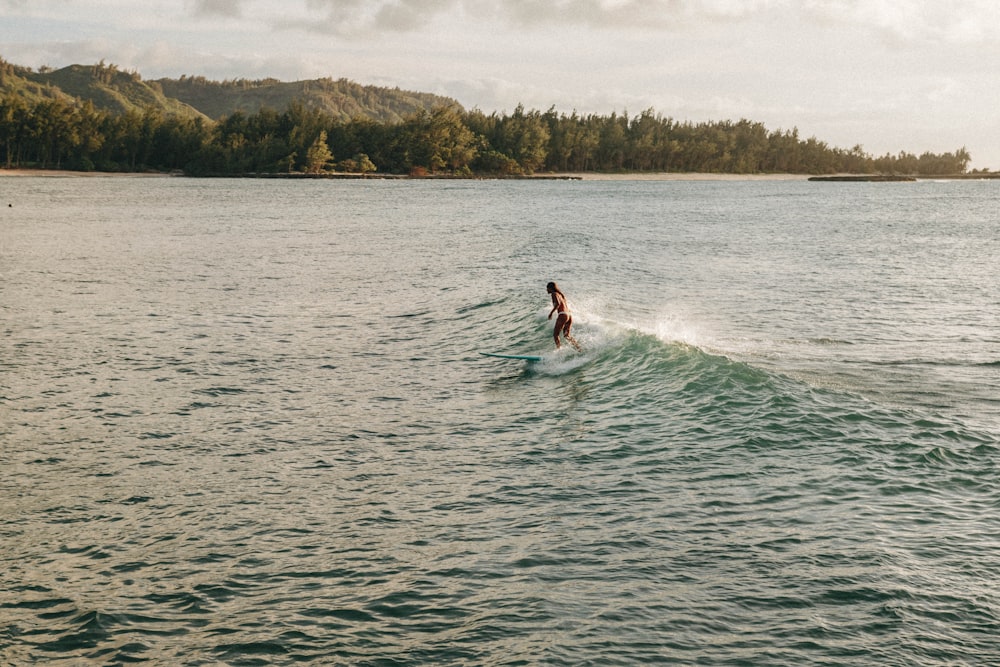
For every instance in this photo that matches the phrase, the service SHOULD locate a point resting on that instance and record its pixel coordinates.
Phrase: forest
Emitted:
(444, 141)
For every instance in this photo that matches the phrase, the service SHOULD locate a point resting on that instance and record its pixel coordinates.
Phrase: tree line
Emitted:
(447, 140)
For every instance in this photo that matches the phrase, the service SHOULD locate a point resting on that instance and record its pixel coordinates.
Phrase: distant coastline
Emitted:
(577, 176)
(102, 119)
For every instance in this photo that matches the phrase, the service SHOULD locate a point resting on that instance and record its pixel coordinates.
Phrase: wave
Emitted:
(663, 376)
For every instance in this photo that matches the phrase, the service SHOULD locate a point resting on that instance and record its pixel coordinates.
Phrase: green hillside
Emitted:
(109, 88)
(117, 91)
(339, 98)
(105, 86)
(18, 82)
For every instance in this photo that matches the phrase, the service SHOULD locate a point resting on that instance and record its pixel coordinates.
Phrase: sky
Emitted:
(889, 75)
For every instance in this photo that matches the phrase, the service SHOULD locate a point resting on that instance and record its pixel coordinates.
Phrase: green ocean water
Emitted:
(247, 423)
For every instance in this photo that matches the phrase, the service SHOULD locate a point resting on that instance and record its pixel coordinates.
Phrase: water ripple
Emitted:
(274, 443)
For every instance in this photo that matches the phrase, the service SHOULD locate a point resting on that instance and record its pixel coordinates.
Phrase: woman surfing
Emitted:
(564, 321)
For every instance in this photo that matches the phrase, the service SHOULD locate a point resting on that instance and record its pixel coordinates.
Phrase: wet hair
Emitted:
(552, 287)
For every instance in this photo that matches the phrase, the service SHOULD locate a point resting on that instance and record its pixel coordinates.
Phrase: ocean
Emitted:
(247, 422)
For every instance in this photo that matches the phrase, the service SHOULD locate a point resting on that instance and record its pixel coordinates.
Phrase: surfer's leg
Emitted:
(567, 335)
(560, 328)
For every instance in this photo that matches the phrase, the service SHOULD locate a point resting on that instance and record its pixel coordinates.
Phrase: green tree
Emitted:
(611, 145)
(438, 141)
(573, 142)
(318, 156)
(365, 165)
(522, 137)
(13, 115)
(783, 152)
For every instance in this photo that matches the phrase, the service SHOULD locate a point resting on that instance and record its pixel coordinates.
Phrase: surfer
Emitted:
(563, 319)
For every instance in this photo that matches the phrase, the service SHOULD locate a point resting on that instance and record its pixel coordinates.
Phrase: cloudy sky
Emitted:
(891, 75)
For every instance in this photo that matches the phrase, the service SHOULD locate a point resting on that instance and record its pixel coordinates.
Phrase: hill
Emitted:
(106, 86)
(341, 98)
(112, 89)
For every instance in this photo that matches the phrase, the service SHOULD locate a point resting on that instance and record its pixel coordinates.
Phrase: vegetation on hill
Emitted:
(101, 118)
(111, 89)
(104, 86)
(341, 99)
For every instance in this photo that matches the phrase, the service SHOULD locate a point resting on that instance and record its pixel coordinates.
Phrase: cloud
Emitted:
(657, 14)
(59, 54)
(362, 17)
(224, 8)
(899, 23)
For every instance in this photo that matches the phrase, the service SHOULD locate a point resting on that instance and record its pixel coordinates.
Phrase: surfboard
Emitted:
(523, 357)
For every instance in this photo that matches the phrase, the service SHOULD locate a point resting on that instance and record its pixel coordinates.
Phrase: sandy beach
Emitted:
(584, 176)
(591, 176)
(63, 173)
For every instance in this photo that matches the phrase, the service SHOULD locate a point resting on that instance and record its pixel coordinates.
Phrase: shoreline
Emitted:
(673, 176)
(577, 176)
(570, 176)
(66, 173)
